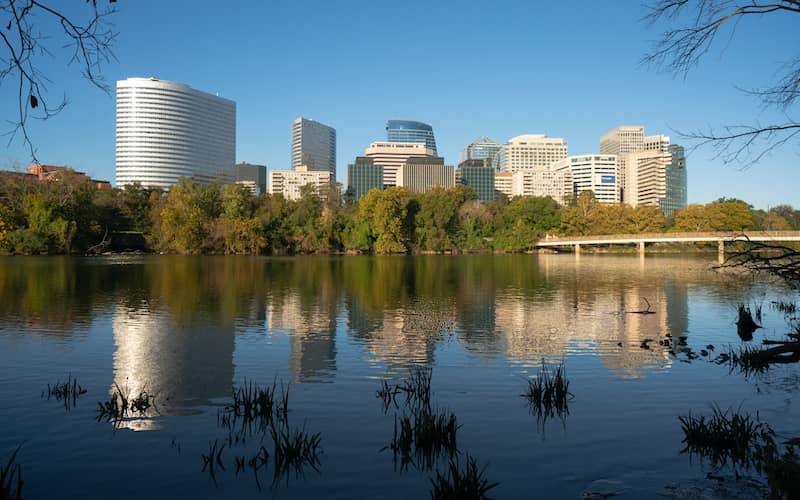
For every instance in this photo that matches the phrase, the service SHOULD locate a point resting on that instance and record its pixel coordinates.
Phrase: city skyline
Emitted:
(459, 104)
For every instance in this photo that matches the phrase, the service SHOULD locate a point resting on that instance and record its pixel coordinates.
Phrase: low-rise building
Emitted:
(289, 182)
(59, 173)
(503, 183)
(543, 182)
(252, 176)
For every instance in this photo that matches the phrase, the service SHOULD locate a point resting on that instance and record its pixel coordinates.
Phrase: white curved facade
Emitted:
(168, 130)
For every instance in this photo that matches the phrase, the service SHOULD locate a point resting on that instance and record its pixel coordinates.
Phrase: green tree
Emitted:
(389, 220)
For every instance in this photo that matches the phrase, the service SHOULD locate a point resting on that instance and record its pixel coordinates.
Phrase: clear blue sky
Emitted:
(502, 68)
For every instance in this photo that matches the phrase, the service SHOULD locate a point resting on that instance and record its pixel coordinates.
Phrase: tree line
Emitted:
(71, 216)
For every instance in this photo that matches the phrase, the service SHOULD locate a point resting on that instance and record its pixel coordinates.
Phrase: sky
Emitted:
(500, 69)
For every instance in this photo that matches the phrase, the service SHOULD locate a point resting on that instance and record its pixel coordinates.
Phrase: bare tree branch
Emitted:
(681, 48)
(22, 44)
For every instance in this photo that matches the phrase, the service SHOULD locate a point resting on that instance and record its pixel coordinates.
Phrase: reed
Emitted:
(65, 392)
(548, 393)
(416, 388)
(458, 483)
(213, 459)
(725, 436)
(293, 449)
(423, 437)
(121, 405)
(11, 478)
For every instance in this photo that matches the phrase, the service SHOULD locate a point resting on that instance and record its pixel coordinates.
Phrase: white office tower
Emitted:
(504, 183)
(597, 173)
(630, 139)
(532, 151)
(647, 177)
(289, 182)
(393, 155)
(314, 146)
(542, 182)
(168, 130)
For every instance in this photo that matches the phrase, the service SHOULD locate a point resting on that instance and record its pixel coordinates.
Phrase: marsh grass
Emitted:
(293, 450)
(548, 393)
(253, 410)
(11, 478)
(121, 405)
(416, 388)
(458, 483)
(745, 359)
(212, 461)
(65, 392)
(423, 437)
(725, 437)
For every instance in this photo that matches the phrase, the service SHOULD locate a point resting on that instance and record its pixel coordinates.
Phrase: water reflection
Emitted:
(175, 319)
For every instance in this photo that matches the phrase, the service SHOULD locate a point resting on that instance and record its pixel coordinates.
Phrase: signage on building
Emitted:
(608, 179)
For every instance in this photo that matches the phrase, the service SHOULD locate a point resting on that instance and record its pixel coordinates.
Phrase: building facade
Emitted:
(647, 177)
(504, 184)
(362, 176)
(630, 139)
(482, 148)
(167, 130)
(314, 145)
(392, 155)
(252, 176)
(411, 131)
(597, 173)
(478, 176)
(532, 151)
(289, 182)
(542, 182)
(421, 174)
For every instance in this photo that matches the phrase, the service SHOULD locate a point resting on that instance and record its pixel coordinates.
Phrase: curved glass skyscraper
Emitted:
(410, 131)
(168, 130)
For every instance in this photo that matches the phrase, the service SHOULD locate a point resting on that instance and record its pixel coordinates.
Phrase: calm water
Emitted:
(187, 329)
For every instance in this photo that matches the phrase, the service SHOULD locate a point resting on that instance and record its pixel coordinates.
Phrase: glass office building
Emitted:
(482, 148)
(676, 181)
(410, 131)
(313, 145)
(480, 178)
(362, 176)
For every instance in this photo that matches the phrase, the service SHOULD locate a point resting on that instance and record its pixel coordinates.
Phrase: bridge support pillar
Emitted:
(577, 249)
(640, 246)
(721, 251)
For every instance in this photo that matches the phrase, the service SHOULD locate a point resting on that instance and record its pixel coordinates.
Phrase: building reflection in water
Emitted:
(185, 364)
(312, 335)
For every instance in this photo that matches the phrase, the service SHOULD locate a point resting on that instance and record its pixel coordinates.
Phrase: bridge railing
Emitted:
(709, 236)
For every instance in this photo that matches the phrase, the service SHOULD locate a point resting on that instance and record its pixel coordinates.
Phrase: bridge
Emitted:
(641, 240)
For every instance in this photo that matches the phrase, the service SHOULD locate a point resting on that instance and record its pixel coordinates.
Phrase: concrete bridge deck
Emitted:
(642, 239)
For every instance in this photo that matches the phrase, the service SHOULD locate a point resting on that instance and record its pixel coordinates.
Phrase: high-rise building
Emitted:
(411, 131)
(629, 139)
(532, 151)
(314, 145)
(480, 177)
(252, 176)
(420, 174)
(675, 198)
(482, 148)
(289, 182)
(647, 177)
(503, 183)
(598, 173)
(542, 182)
(392, 155)
(362, 176)
(167, 130)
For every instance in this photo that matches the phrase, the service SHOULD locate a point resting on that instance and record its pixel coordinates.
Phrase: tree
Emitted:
(694, 26)
(23, 41)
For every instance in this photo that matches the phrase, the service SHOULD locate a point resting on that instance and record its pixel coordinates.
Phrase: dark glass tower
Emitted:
(410, 131)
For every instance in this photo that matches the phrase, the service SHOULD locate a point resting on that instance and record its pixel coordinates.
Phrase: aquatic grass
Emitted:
(725, 436)
(121, 405)
(65, 392)
(293, 449)
(746, 325)
(457, 483)
(253, 410)
(416, 388)
(213, 459)
(424, 436)
(787, 308)
(548, 393)
(11, 478)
